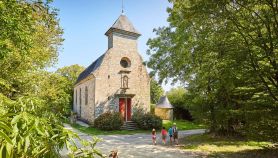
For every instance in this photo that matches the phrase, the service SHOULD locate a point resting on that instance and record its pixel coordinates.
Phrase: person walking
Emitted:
(163, 135)
(154, 136)
(175, 133)
(170, 133)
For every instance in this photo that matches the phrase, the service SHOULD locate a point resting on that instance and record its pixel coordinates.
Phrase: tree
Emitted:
(176, 97)
(227, 53)
(156, 91)
(29, 42)
(71, 72)
(31, 99)
(55, 90)
(70, 75)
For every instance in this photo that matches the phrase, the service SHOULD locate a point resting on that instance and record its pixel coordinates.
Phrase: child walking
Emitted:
(154, 136)
(164, 135)
(170, 133)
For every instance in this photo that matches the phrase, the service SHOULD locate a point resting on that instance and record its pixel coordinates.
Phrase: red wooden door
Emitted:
(128, 109)
(122, 107)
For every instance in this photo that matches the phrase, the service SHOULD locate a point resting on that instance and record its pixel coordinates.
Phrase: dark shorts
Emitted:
(163, 136)
(170, 136)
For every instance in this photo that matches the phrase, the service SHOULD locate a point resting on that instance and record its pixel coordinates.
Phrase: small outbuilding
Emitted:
(164, 109)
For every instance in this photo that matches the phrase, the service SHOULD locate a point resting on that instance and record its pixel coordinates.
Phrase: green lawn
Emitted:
(95, 131)
(183, 124)
(228, 147)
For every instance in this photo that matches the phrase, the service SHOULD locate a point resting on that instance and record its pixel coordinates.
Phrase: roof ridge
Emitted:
(91, 68)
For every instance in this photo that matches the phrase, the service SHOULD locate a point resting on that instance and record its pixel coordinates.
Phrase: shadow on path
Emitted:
(140, 145)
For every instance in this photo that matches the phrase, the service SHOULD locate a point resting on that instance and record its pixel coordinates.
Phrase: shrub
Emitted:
(177, 97)
(147, 120)
(109, 121)
(29, 129)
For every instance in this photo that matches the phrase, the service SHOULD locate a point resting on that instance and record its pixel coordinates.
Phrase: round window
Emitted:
(125, 62)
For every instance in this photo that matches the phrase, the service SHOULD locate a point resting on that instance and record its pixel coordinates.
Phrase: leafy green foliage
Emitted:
(29, 129)
(71, 72)
(147, 120)
(31, 132)
(53, 88)
(152, 108)
(69, 75)
(226, 52)
(109, 121)
(29, 42)
(88, 149)
(32, 101)
(176, 97)
(156, 91)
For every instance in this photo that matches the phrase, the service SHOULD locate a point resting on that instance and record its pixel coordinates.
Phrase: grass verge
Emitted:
(183, 124)
(229, 147)
(95, 131)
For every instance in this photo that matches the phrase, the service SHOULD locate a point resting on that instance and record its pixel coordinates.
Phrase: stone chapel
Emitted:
(117, 80)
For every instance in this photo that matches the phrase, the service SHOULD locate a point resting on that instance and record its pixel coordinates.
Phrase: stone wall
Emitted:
(165, 114)
(108, 76)
(106, 82)
(87, 111)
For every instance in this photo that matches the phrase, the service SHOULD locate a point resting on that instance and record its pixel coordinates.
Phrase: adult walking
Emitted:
(175, 133)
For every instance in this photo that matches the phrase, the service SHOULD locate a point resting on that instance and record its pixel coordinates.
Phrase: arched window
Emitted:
(125, 62)
(86, 95)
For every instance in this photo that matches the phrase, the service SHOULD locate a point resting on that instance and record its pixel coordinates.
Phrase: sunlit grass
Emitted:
(183, 124)
(95, 131)
(210, 148)
(221, 146)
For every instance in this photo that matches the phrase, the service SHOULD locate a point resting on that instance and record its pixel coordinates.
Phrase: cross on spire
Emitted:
(123, 7)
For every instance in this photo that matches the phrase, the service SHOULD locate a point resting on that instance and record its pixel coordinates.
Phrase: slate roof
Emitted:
(123, 23)
(89, 70)
(164, 103)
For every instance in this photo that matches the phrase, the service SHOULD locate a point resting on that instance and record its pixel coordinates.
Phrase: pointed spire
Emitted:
(164, 103)
(124, 26)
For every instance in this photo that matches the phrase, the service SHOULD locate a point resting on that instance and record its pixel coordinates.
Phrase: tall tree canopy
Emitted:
(32, 100)
(156, 91)
(70, 75)
(177, 97)
(30, 36)
(227, 52)
(71, 72)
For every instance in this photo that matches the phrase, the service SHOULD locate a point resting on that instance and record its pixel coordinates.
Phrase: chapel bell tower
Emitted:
(122, 32)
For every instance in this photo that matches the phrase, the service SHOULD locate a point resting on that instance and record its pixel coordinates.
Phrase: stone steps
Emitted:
(129, 125)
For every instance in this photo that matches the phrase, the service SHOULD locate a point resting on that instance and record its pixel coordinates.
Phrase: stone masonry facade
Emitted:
(99, 91)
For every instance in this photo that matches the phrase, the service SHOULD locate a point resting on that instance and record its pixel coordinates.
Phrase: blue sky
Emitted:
(85, 22)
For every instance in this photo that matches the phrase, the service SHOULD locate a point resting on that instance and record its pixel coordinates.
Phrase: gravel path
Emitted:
(140, 145)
